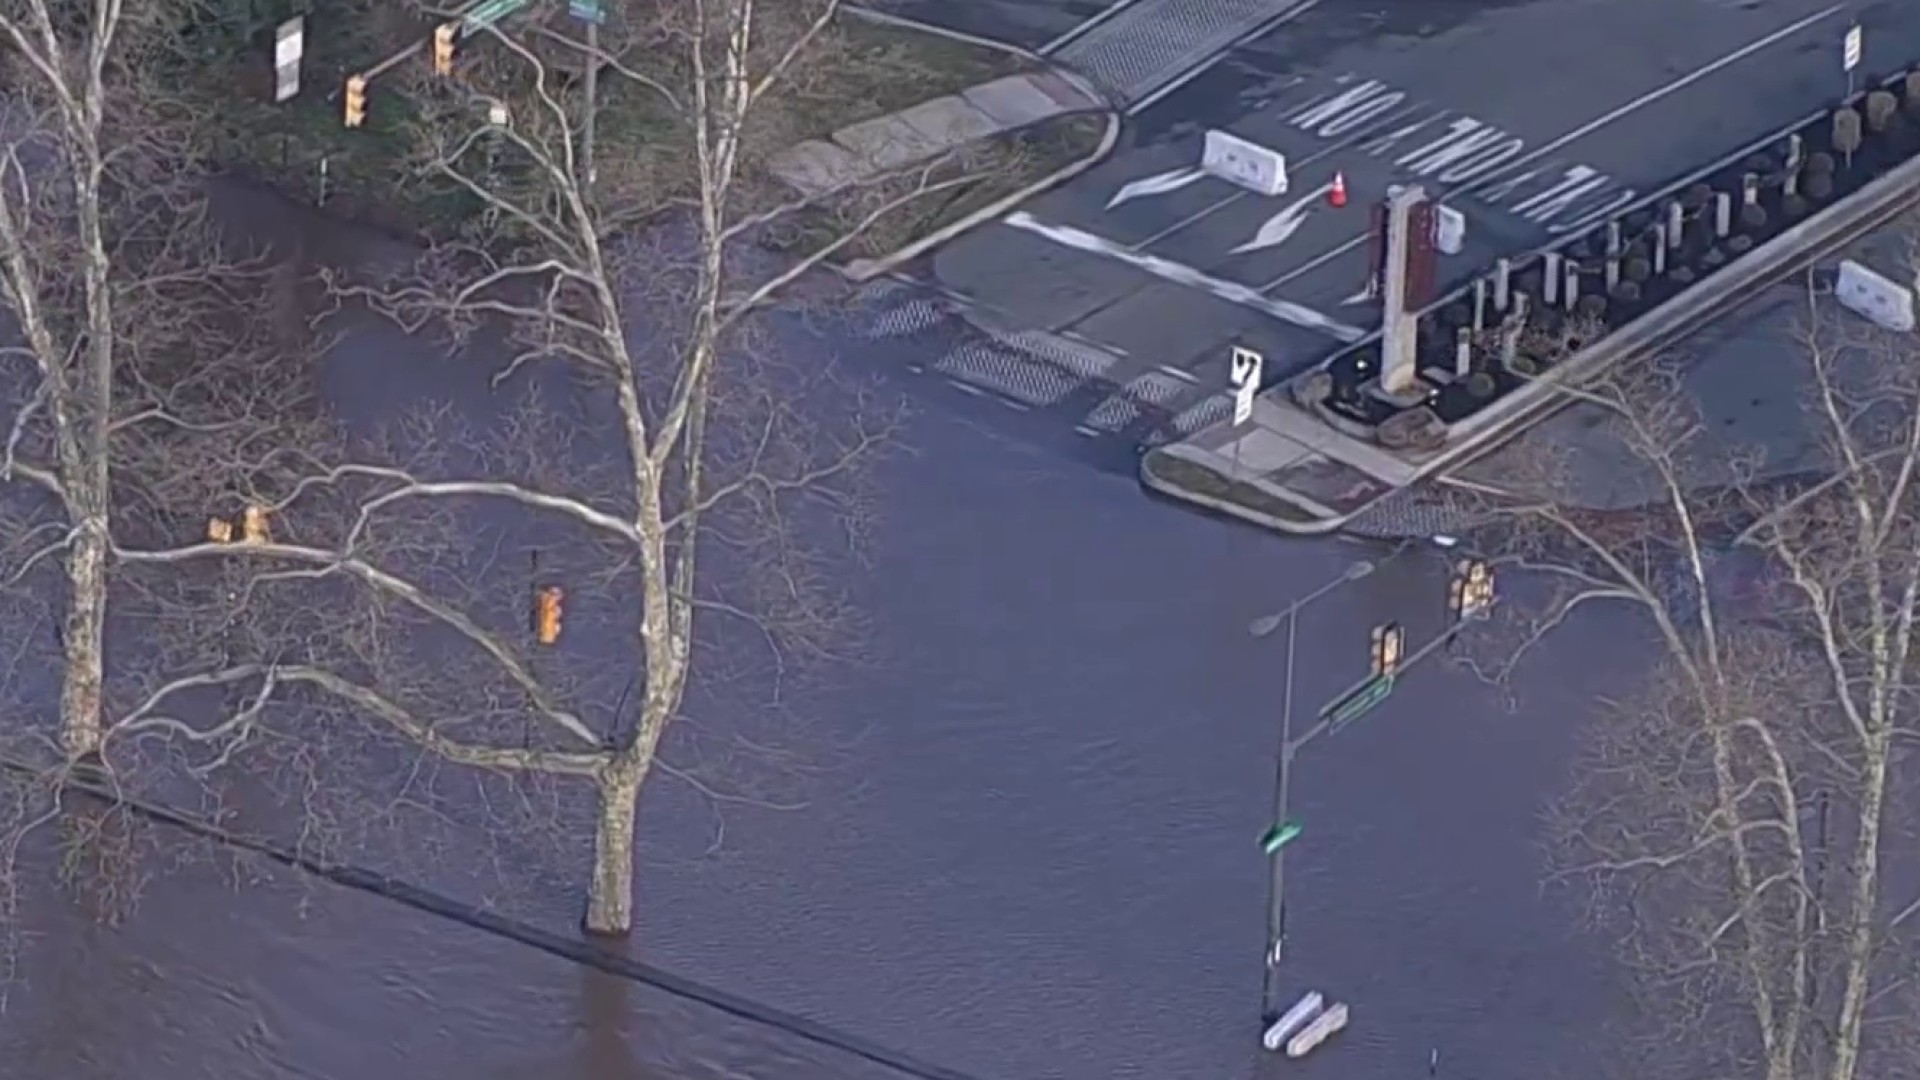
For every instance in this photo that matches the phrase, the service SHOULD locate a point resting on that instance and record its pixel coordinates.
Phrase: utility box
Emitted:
(1874, 296)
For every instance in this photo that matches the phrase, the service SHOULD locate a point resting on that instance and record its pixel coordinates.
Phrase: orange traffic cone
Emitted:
(1337, 194)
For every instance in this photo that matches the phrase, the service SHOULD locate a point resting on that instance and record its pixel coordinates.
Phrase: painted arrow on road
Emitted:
(1280, 227)
(1158, 184)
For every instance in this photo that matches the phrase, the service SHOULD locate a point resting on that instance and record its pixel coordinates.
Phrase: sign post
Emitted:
(288, 42)
(1245, 377)
(1850, 53)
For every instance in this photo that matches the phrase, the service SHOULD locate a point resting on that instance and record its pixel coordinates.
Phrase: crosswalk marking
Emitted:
(1091, 390)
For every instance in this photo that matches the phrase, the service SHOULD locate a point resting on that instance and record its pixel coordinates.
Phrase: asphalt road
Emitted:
(1030, 24)
(1535, 117)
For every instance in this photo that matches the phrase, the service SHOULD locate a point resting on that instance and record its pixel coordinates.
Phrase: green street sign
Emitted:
(488, 13)
(1278, 836)
(1357, 704)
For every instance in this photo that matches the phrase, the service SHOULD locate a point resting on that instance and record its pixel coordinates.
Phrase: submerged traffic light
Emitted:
(443, 48)
(356, 100)
(1389, 647)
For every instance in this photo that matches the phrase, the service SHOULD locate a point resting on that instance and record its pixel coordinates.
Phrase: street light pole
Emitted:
(1270, 1005)
(593, 101)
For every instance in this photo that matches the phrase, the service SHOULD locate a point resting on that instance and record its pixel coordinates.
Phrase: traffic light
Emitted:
(1470, 593)
(443, 48)
(253, 525)
(1389, 647)
(546, 614)
(356, 100)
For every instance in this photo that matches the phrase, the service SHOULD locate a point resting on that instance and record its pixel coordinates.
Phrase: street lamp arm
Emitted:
(1267, 624)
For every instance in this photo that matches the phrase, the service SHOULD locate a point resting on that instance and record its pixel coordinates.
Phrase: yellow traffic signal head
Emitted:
(546, 614)
(1389, 647)
(1471, 590)
(356, 100)
(253, 525)
(443, 48)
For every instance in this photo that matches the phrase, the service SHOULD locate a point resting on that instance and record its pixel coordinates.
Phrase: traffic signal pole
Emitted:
(1470, 598)
(1270, 1005)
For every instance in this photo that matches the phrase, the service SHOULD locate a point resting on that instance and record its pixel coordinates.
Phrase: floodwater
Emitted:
(1027, 846)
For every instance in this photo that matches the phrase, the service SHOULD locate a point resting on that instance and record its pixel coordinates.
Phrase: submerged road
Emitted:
(1028, 845)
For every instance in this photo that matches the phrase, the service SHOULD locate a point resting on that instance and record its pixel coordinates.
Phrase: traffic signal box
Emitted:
(356, 111)
(546, 614)
(1389, 648)
(443, 36)
(1470, 593)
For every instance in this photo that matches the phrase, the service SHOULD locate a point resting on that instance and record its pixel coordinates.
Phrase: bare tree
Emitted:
(686, 482)
(1733, 817)
(146, 350)
(153, 373)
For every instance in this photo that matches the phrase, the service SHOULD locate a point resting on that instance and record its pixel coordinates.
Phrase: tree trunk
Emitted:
(610, 895)
(83, 642)
(1861, 937)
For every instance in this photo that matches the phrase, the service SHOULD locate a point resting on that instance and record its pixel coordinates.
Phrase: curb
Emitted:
(864, 270)
(1720, 295)
(1226, 507)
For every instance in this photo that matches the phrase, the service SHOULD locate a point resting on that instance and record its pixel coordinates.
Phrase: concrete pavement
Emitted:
(1539, 115)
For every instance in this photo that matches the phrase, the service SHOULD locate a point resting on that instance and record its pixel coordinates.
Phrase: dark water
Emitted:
(1027, 850)
(1027, 844)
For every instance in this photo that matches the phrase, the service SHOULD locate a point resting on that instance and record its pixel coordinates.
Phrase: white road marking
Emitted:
(1280, 228)
(1230, 291)
(1581, 132)
(1291, 166)
(1197, 70)
(1157, 184)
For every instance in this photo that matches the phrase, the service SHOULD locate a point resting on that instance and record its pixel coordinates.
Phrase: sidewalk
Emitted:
(818, 168)
(1291, 469)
